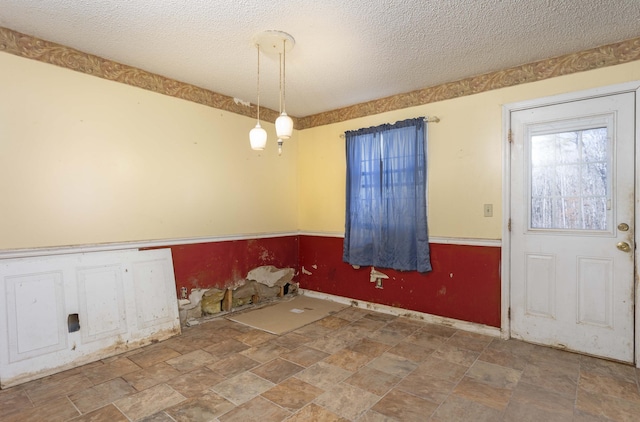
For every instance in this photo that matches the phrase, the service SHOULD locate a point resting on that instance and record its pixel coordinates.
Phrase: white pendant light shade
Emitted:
(257, 135)
(273, 42)
(258, 138)
(284, 126)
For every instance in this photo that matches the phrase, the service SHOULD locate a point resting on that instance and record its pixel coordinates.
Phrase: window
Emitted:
(386, 208)
(570, 183)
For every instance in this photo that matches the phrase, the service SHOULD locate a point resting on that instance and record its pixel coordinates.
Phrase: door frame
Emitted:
(505, 268)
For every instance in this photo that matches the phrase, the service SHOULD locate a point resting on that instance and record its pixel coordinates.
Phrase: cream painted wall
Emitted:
(85, 161)
(464, 157)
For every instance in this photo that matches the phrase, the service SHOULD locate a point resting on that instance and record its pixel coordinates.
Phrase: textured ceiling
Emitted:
(346, 51)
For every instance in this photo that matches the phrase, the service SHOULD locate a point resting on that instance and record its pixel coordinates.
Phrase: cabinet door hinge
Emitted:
(510, 136)
(509, 313)
(509, 225)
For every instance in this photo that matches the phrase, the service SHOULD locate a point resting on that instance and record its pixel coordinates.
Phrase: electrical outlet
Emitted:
(488, 210)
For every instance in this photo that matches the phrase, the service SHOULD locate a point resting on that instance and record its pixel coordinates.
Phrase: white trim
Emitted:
(635, 236)
(322, 234)
(62, 250)
(507, 109)
(437, 240)
(505, 254)
(466, 242)
(390, 310)
(117, 246)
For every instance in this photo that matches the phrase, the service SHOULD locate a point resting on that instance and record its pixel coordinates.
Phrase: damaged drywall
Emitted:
(271, 276)
(377, 277)
(262, 283)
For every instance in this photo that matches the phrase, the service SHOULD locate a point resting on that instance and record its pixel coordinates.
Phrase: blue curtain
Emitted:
(386, 210)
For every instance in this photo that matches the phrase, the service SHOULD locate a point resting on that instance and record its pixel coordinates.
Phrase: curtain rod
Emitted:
(428, 119)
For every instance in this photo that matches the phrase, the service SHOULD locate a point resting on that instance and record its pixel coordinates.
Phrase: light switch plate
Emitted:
(488, 210)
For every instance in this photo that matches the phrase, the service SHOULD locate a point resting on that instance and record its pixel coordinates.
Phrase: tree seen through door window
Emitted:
(569, 180)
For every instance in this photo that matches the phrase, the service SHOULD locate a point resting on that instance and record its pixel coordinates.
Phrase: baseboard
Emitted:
(391, 310)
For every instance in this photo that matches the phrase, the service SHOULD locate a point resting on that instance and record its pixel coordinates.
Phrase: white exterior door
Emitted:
(572, 225)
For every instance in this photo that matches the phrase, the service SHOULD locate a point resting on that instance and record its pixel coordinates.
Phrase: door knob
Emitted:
(623, 246)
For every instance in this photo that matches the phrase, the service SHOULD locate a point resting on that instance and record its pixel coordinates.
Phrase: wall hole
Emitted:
(73, 322)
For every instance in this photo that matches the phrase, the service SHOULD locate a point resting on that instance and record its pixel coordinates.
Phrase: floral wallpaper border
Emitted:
(608, 55)
(33, 48)
(48, 52)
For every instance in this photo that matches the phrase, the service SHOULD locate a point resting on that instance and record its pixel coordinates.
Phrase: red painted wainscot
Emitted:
(464, 283)
(220, 264)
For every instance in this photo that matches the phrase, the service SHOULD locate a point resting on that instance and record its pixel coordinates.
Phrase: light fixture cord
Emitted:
(284, 74)
(258, 88)
(280, 82)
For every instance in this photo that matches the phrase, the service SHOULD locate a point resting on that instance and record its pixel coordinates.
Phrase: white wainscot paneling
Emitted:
(102, 302)
(34, 304)
(155, 298)
(69, 310)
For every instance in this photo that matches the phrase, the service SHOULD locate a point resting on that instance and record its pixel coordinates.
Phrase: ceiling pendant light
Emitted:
(257, 135)
(273, 42)
(284, 123)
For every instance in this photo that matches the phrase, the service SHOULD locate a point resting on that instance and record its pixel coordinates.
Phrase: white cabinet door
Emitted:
(68, 310)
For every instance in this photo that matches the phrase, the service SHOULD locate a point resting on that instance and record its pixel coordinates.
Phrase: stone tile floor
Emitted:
(355, 365)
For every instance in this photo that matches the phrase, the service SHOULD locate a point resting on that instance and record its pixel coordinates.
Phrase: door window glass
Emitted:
(570, 180)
